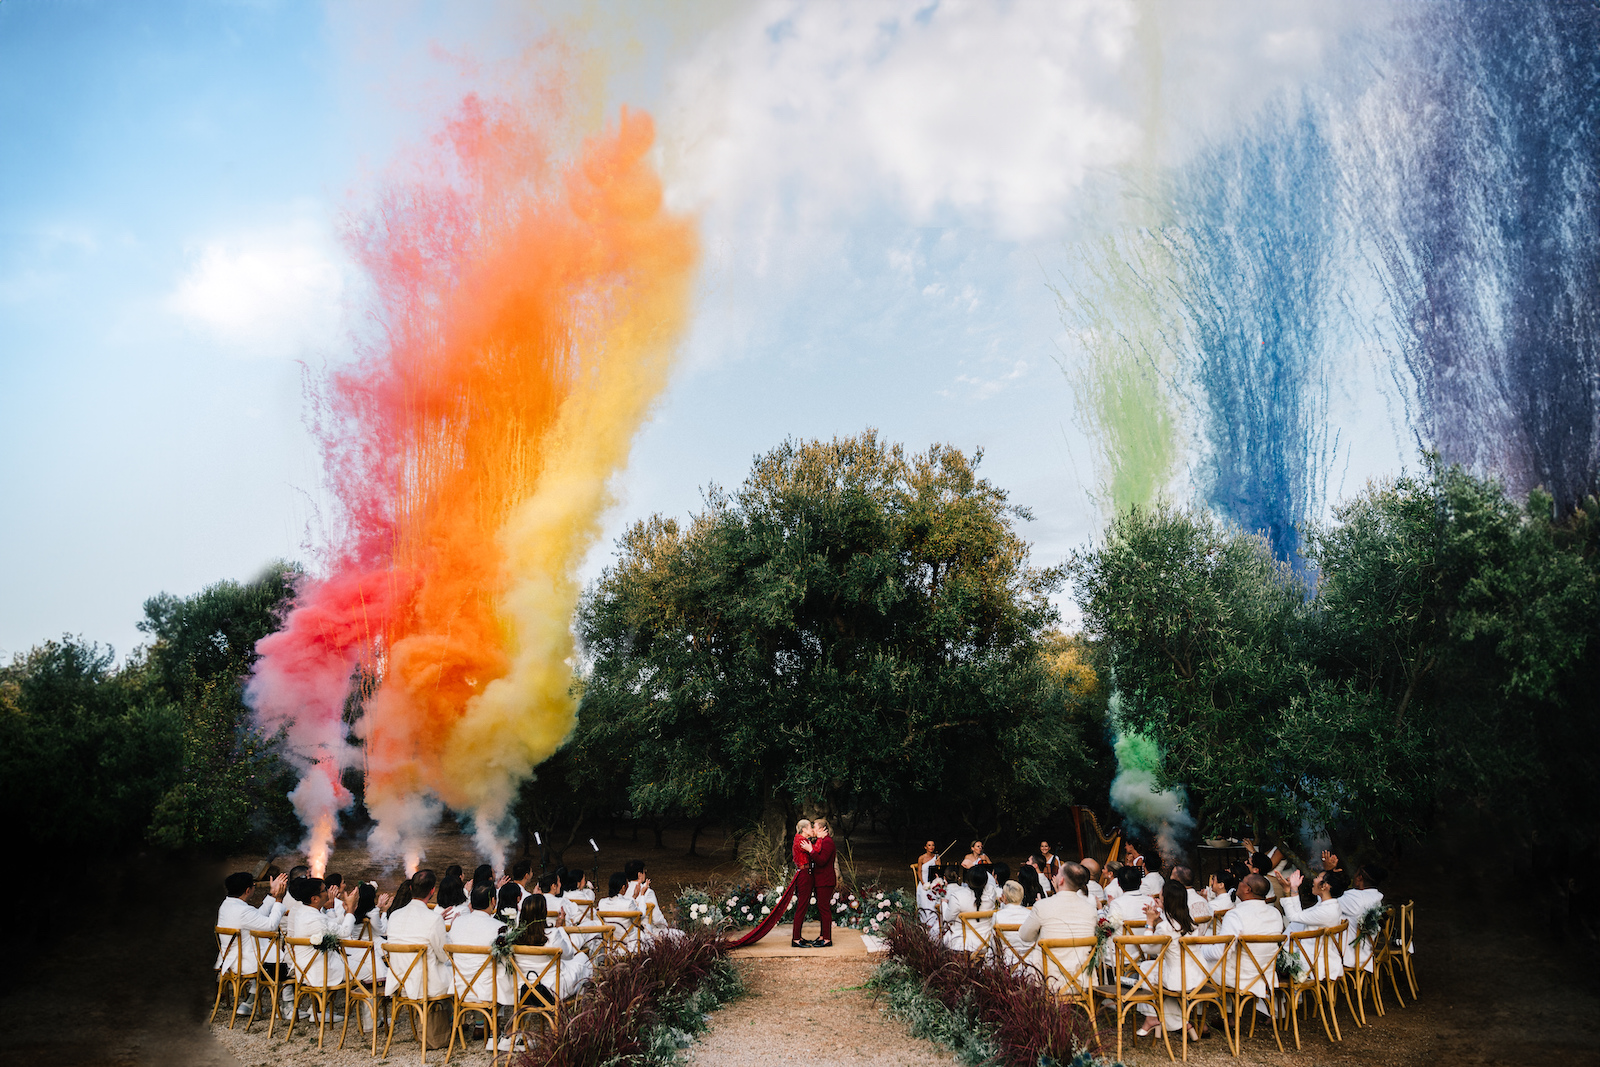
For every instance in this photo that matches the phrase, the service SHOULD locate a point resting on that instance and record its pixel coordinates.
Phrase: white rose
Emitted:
(707, 920)
(732, 901)
(765, 909)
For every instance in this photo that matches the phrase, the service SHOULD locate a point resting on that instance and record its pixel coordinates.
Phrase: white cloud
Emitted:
(996, 111)
(274, 293)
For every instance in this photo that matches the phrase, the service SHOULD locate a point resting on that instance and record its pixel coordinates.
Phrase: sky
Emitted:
(887, 196)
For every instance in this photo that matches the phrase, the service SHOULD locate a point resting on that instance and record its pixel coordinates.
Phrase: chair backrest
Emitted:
(627, 928)
(586, 913)
(1004, 948)
(1255, 957)
(972, 935)
(1311, 946)
(410, 957)
(583, 937)
(468, 966)
(1076, 980)
(266, 946)
(537, 965)
(1215, 971)
(1130, 951)
(361, 957)
(916, 874)
(230, 952)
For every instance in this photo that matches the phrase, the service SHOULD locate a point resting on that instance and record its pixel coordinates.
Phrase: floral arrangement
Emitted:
(1105, 928)
(328, 942)
(1371, 924)
(1290, 965)
(696, 908)
(874, 908)
(504, 941)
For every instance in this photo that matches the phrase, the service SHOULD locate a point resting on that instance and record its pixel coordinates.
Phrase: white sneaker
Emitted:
(245, 1007)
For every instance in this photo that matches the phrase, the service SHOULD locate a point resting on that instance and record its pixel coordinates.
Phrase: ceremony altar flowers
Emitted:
(696, 907)
(871, 908)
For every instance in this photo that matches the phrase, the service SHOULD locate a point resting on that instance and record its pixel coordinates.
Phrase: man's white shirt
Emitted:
(417, 924)
(313, 924)
(235, 914)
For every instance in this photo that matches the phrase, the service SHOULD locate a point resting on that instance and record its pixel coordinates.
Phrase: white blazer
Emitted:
(1300, 918)
(957, 899)
(477, 928)
(1353, 904)
(1252, 917)
(417, 924)
(235, 914)
(309, 922)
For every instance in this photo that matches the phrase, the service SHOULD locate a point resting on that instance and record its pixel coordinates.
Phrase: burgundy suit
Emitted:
(803, 883)
(824, 879)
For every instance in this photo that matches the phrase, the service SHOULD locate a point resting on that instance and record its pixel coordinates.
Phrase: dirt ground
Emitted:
(128, 980)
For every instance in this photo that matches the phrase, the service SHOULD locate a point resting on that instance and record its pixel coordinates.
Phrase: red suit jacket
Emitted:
(822, 852)
(801, 857)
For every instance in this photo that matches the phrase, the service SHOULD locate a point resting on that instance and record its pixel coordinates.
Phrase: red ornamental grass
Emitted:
(609, 1021)
(1027, 1021)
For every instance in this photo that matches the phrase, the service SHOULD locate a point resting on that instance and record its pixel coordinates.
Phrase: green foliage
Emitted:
(1446, 649)
(853, 627)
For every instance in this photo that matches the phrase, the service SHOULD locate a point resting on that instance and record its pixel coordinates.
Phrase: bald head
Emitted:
(1092, 866)
(1253, 887)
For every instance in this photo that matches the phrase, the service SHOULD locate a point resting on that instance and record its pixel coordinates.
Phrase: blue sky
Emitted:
(884, 192)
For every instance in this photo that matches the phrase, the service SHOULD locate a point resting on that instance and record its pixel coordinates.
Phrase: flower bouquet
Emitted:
(1290, 965)
(1105, 928)
(328, 942)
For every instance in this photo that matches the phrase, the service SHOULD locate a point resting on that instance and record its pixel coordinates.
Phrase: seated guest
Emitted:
(334, 883)
(617, 899)
(1034, 870)
(1252, 915)
(1355, 902)
(452, 899)
(483, 874)
(1171, 918)
(1150, 885)
(236, 913)
(1013, 912)
(1030, 894)
(1129, 903)
(639, 889)
(1199, 907)
(550, 886)
(365, 922)
(999, 875)
(575, 965)
(1220, 892)
(412, 922)
(522, 875)
(307, 920)
(576, 896)
(1261, 863)
(479, 927)
(1326, 889)
(960, 898)
(1113, 887)
(1067, 913)
(1095, 888)
(508, 903)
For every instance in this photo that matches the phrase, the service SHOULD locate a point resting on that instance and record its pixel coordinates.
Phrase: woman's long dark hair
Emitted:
(533, 916)
(1175, 902)
(366, 900)
(402, 897)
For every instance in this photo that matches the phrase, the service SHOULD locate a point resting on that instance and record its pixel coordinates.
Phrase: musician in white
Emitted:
(236, 913)
(1251, 916)
(1067, 913)
(412, 922)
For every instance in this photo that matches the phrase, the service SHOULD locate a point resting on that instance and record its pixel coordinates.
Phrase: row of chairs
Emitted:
(476, 980)
(1243, 973)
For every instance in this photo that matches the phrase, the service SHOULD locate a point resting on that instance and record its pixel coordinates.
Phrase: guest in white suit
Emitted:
(639, 889)
(1012, 913)
(1131, 900)
(576, 896)
(1067, 913)
(1356, 902)
(1096, 891)
(236, 913)
(479, 927)
(308, 920)
(412, 922)
(1326, 889)
(364, 921)
(1252, 916)
(1172, 919)
(1221, 892)
(964, 897)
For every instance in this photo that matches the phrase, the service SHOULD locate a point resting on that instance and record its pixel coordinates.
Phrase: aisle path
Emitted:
(803, 1010)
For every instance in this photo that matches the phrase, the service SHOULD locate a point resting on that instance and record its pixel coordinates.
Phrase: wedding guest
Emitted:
(452, 899)
(334, 882)
(1030, 891)
(479, 927)
(236, 913)
(964, 897)
(1095, 888)
(522, 875)
(1150, 885)
(575, 964)
(1130, 902)
(639, 889)
(508, 903)
(1199, 907)
(1326, 889)
(366, 922)
(1354, 903)
(1013, 911)
(576, 896)
(1221, 890)
(1171, 918)
(1067, 913)
(1252, 915)
(1034, 872)
(412, 922)
(307, 920)
(482, 874)
(549, 885)
(1262, 864)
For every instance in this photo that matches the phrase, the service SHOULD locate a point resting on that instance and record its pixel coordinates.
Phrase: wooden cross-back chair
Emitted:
(593, 940)
(973, 939)
(1010, 955)
(539, 981)
(312, 969)
(1389, 955)
(1405, 930)
(1362, 974)
(403, 962)
(1255, 977)
(1069, 982)
(475, 977)
(361, 958)
(1212, 989)
(624, 932)
(271, 980)
(1134, 985)
(586, 912)
(231, 976)
(1306, 945)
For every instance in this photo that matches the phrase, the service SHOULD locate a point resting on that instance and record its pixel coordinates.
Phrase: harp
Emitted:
(1110, 844)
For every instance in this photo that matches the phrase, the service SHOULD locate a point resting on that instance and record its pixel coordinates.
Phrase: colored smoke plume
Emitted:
(1135, 794)
(529, 311)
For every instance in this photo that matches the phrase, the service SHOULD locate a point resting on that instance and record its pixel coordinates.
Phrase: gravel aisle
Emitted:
(803, 1011)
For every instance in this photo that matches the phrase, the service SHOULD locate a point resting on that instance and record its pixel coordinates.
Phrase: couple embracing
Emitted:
(813, 859)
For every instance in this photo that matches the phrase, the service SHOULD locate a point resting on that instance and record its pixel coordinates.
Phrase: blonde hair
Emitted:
(822, 823)
(803, 824)
(1013, 892)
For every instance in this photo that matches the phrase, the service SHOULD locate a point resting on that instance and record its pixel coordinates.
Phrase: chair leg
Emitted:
(1294, 1017)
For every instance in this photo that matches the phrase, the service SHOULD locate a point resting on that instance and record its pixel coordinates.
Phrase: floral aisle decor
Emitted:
(328, 942)
(697, 907)
(1290, 965)
(504, 942)
(1371, 924)
(982, 1011)
(642, 1008)
(871, 908)
(1105, 928)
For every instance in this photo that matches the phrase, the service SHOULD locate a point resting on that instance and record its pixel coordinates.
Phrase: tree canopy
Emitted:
(853, 628)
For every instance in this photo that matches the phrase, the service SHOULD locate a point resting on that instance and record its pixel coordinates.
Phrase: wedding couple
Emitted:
(813, 859)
